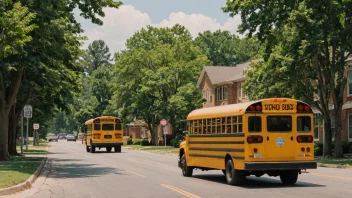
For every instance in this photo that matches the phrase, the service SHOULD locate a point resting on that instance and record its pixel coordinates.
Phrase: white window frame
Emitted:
(241, 93)
(332, 123)
(348, 84)
(210, 95)
(221, 93)
(316, 122)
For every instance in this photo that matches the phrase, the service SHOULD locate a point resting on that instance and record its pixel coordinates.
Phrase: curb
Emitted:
(26, 184)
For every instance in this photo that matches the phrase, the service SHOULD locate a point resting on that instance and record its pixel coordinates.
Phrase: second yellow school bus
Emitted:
(104, 131)
(270, 136)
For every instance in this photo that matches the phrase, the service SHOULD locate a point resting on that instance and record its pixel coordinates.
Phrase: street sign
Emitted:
(163, 122)
(36, 126)
(166, 130)
(27, 111)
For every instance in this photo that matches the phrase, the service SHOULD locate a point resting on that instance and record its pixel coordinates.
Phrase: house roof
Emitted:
(223, 74)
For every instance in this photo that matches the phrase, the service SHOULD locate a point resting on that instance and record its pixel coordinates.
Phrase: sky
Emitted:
(120, 24)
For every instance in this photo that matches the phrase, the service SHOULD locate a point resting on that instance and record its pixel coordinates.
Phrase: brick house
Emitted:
(221, 85)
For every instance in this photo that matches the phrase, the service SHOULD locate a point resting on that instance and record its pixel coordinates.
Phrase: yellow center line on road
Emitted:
(331, 176)
(154, 165)
(185, 193)
(135, 173)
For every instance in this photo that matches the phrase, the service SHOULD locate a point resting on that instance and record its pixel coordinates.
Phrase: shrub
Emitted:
(318, 149)
(137, 142)
(144, 142)
(129, 141)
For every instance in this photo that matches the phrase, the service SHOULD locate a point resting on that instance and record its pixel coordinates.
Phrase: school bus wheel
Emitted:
(87, 148)
(118, 149)
(233, 176)
(289, 177)
(186, 170)
(108, 149)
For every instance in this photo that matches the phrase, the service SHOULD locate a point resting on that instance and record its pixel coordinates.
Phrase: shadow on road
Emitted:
(255, 182)
(76, 170)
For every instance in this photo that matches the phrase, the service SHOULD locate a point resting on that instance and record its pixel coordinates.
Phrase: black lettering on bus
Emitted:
(269, 107)
(287, 106)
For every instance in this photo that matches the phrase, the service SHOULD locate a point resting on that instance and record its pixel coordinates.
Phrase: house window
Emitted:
(210, 95)
(221, 93)
(349, 83)
(332, 127)
(317, 124)
(241, 93)
(350, 126)
(204, 94)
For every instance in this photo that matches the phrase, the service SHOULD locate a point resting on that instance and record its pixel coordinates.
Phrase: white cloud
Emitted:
(120, 24)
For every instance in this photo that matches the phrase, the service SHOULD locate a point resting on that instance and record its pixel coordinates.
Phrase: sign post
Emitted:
(27, 113)
(163, 122)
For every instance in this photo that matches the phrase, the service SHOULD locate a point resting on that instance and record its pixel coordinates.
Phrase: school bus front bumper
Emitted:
(252, 166)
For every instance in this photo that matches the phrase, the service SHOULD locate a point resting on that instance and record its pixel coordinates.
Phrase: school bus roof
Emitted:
(90, 121)
(229, 110)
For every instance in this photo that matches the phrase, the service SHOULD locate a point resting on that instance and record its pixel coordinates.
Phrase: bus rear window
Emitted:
(107, 127)
(279, 123)
(97, 127)
(303, 124)
(118, 126)
(254, 124)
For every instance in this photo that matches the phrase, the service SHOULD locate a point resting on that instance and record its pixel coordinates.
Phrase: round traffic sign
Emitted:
(163, 122)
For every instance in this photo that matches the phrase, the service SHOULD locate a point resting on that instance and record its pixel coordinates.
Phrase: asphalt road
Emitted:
(74, 173)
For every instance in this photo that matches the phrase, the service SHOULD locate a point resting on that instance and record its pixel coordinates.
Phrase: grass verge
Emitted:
(17, 170)
(155, 149)
(334, 161)
(20, 168)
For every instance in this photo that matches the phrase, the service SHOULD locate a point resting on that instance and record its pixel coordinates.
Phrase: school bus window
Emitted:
(118, 126)
(279, 123)
(303, 124)
(97, 127)
(218, 126)
(254, 124)
(234, 124)
(213, 123)
(240, 126)
(107, 127)
(209, 126)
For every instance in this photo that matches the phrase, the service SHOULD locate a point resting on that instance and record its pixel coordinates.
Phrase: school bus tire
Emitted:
(186, 170)
(233, 176)
(87, 149)
(118, 149)
(108, 149)
(289, 177)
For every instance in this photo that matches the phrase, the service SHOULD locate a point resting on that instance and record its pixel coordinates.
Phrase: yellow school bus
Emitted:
(104, 131)
(270, 136)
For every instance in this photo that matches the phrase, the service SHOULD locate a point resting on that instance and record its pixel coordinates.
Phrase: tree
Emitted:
(95, 56)
(15, 26)
(156, 76)
(224, 48)
(52, 48)
(314, 44)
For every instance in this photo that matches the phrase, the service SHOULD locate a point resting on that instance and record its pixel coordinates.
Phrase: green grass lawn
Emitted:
(20, 168)
(17, 170)
(155, 149)
(335, 161)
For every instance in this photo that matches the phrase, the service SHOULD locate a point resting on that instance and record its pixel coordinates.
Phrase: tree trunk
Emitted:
(3, 132)
(327, 136)
(338, 153)
(12, 131)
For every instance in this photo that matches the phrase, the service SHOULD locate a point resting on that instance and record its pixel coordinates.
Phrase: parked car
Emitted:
(71, 137)
(53, 138)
